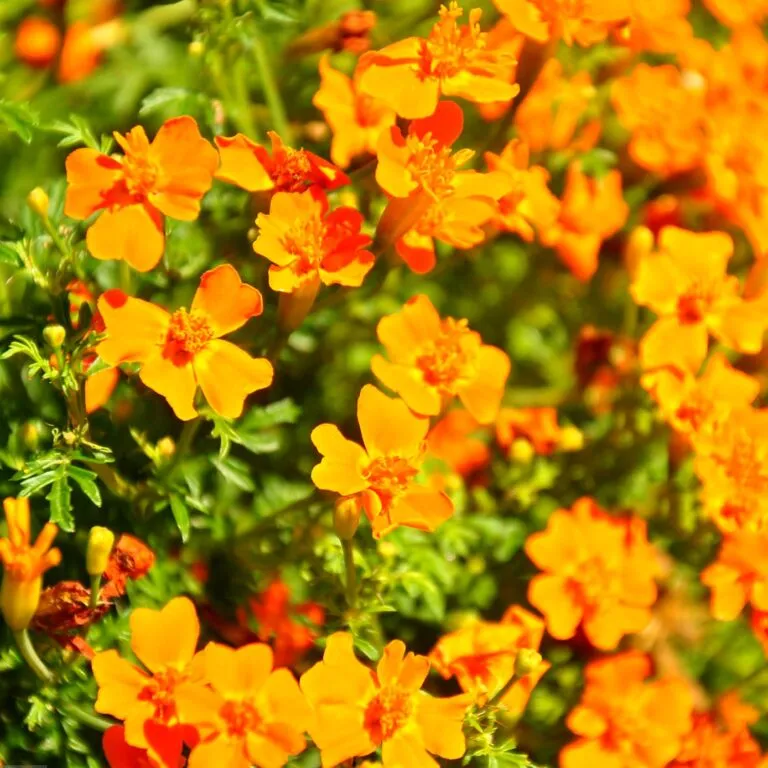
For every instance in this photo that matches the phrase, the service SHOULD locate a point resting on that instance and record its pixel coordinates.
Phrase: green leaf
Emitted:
(235, 472)
(180, 515)
(282, 412)
(39, 714)
(76, 132)
(9, 254)
(19, 118)
(276, 493)
(60, 498)
(86, 481)
(35, 482)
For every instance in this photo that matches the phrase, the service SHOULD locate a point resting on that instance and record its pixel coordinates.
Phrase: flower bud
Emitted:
(571, 439)
(100, 542)
(527, 661)
(19, 599)
(54, 335)
(346, 517)
(521, 451)
(166, 447)
(292, 308)
(38, 201)
(30, 435)
(196, 48)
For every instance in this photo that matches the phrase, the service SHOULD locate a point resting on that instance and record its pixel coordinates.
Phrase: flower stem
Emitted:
(93, 603)
(86, 718)
(351, 573)
(271, 92)
(29, 654)
(187, 436)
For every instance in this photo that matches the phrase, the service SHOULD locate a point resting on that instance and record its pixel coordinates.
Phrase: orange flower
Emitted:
(536, 425)
(133, 193)
(625, 721)
(358, 710)
(356, 120)
(164, 642)
(685, 282)
(530, 206)
(250, 714)
(432, 360)
(37, 41)
(732, 465)
(180, 351)
(24, 564)
(382, 476)
(721, 738)
(130, 559)
(163, 749)
(665, 113)
(583, 21)
(276, 621)
(598, 573)
(593, 209)
(482, 655)
(309, 244)
(552, 115)
(693, 407)
(659, 26)
(453, 441)
(737, 13)
(411, 75)
(739, 575)
(250, 166)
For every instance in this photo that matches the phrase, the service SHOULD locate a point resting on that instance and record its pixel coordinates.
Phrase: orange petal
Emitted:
(176, 383)
(417, 251)
(237, 672)
(445, 124)
(421, 508)
(388, 426)
(589, 754)
(135, 328)
(407, 750)
(221, 751)
(134, 234)
(413, 97)
(482, 396)
(119, 684)
(99, 388)
(225, 300)
(198, 706)
(165, 638)
(227, 375)
(90, 176)
(286, 701)
(187, 163)
(340, 469)
(242, 163)
(668, 342)
(408, 382)
(550, 594)
(441, 724)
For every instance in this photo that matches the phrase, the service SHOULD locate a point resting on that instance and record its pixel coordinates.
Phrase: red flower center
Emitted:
(387, 712)
(241, 718)
(188, 333)
(448, 359)
(160, 692)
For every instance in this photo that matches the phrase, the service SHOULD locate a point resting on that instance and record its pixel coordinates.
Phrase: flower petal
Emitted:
(176, 383)
(225, 300)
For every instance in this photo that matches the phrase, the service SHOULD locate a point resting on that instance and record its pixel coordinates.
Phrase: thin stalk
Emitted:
(351, 572)
(186, 438)
(93, 603)
(61, 246)
(29, 654)
(90, 719)
(271, 91)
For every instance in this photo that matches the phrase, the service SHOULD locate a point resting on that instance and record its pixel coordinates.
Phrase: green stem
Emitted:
(269, 84)
(183, 444)
(351, 572)
(86, 718)
(113, 480)
(167, 15)
(29, 654)
(502, 692)
(93, 603)
(61, 246)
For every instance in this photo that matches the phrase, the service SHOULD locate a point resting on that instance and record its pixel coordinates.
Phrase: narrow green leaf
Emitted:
(180, 515)
(86, 481)
(60, 498)
(19, 118)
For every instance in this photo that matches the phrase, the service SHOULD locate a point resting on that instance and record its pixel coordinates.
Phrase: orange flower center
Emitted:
(597, 580)
(188, 333)
(560, 9)
(449, 359)
(306, 241)
(241, 718)
(294, 172)
(159, 691)
(696, 302)
(433, 165)
(387, 712)
(140, 174)
(748, 475)
(451, 47)
(389, 476)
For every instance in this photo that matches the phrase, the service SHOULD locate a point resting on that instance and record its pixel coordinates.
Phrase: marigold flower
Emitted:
(732, 465)
(133, 193)
(291, 629)
(356, 120)
(130, 559)
(358, 710)
(37, 41)
(383, 474)
(739, 575)
(538, 426)
(659, 26)
(411, 75)
(482, 656)
(164, 642)
(598, 574)
(666, 114)
(530, 206)
(721, 739)
(738, 13)
(553, 114)
(626, 721)
(685, 282)
(65, 607)
(432, 360)
(593, 209)
(182, 350)
(309, 244)
(693, 407)
(250, 714)
(583, 21)
(24, 564)
(250, 166)
(453, 440)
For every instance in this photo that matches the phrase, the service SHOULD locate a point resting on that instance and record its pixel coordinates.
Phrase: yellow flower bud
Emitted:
(19, 599)
(166, 447)
(346, 517)
(196, 48)
(527, 661)
(521, 451)
(100, 543)
(38, 201)
(571, 439)
(54, 335)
